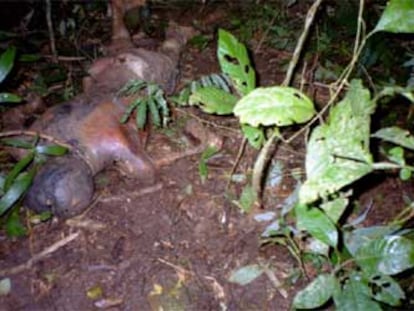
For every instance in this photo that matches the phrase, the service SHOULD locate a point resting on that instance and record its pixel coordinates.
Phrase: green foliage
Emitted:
(235, 62)
(397, 17)
(153, 104)
(280, 106)
(19, 179)
(363, 261)
(6, 65)
(338, 150)
(213, 100)
(202, 166)
(316, 294)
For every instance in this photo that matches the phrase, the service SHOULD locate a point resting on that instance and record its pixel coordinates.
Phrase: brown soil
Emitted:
(172, 246)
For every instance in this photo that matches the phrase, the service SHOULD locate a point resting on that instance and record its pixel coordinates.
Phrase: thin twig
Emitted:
(238, 158)
(39, 256)
(35, 134)
(50, 29)
(66, 58)
(299, 46)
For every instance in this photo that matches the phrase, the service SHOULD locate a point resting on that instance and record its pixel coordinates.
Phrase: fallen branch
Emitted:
(47, 251)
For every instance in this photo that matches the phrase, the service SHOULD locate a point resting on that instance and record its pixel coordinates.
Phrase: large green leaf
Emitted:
(338, 151)
(397, 136)
(234, 62)
(316, 294)
(355, 295)
(275, 105)
(389, 255)
(213, 100)
(317, 223)
(397, 17)
(6, 62)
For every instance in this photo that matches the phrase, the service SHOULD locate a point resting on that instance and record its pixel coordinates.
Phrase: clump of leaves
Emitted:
(153, 104)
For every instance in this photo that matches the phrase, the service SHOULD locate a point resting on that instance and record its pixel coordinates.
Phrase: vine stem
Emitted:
(310, 16)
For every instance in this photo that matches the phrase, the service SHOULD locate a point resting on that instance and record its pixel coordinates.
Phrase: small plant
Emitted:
(153, 104)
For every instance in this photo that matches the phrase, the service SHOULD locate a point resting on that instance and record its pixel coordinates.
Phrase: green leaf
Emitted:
(277, 105)
(162, 106)
(405, 174)
(246, 274)
(213, 100)
(247, 198)
(389, 255)
(52, 150)
(396, 155)
(17, 143)
(255, 136)
(338, 151)
(6, 62)
(202, 166)
(29, 58)
(317, 224)
(9, 98)
(386, 289)
(316, 294)
(132, 87)
(17, 189)
(130, 109)
(234, 62)
(141, 114)
(14, 226)
(396, 136)
(398, 17)
(155, 114)
(334, 209)
(355, 295)
(17, 169)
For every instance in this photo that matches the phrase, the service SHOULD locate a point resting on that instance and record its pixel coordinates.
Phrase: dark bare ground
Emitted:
(173, 246)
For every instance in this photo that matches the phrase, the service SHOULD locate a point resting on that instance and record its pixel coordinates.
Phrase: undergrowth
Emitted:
(362, 264)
